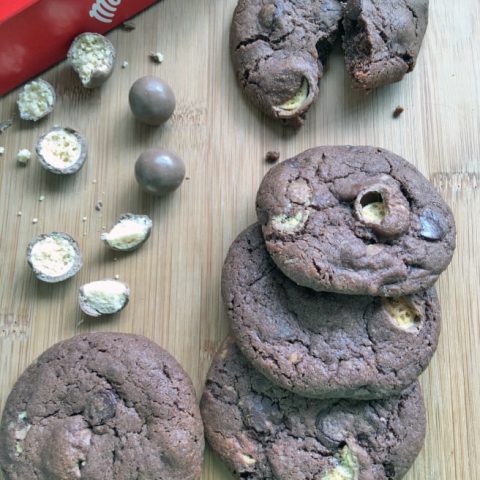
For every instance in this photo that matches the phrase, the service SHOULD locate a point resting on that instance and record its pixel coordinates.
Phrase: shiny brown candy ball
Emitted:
(151, 100)
(159, 171)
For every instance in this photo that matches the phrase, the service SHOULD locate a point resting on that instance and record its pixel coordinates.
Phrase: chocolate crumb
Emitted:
(156, 57)
(272, 156)
(98, 206)
(128, 26)
(398, 111)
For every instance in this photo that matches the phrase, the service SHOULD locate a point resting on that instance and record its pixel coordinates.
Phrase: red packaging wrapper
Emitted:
(35, 34)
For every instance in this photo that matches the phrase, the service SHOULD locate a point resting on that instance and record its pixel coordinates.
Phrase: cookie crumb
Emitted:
(116, 276)
(34, 220)
(84, 219)
(94, 181)
(19, 213)
(5, 124)
(128, 26)
(98, 206)
(2, 151)
(272, 156)
(23, 156)
(125, 64)
(41, 198)
(156, 57)
(398, 111)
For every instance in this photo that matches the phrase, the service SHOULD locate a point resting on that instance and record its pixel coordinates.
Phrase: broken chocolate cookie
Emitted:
(382, 39)
(279, 49)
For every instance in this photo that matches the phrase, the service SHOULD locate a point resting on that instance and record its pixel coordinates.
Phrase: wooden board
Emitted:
(175, 277)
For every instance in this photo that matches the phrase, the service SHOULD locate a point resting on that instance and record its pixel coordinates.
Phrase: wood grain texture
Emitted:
(175, 277)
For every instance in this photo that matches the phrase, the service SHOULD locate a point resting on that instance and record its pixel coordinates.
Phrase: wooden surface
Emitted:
(175, 277)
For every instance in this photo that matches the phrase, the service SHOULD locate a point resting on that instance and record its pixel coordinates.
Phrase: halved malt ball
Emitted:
(36, 100)
(54, 257)
(129, 233)
(62, 151)
(92, 56)
(103, 297)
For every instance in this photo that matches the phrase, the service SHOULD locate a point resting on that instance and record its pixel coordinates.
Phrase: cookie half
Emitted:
(319, 344)
(102, 405)
(263, 432)
(355, 220)
(279, 49)
(382, 39)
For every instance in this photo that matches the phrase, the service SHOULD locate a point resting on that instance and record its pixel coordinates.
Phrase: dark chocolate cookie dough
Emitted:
(279, 49)
(320, 344)
(265, 433)
(102, 406)
(357, 220)
(382, 39)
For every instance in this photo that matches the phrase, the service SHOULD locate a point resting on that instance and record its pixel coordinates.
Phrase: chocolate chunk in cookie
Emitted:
(264, 432)
(355, 220)
(102, 406)
(279, 48)
(382, 39)
(319, 344)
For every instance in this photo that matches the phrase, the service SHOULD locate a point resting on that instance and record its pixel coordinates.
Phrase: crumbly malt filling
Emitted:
(35, 100)
(90, 54)
(404, 316)
(23, 156)
(346, 468)
(298, 99)
(60, 149)
(128, 233)
(105, 296)
(373, 207)
(374, 212)
(53, 256)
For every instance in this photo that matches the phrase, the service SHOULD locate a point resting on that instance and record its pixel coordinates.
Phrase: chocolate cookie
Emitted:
(358, 220)
(102, 406)
(279, 48)
(320, 344)
(382, 39)
(263, 432)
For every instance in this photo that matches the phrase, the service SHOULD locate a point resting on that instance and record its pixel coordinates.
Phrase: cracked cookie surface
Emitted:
(263, 432)
(382, 39)
(355, 220)
(279, 49)
(102, 405)
(321, 344)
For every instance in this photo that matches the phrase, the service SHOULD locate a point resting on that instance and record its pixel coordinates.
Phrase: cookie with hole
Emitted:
(355, 220)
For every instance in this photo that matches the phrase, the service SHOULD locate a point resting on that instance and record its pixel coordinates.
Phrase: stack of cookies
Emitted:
(334, 316)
